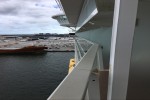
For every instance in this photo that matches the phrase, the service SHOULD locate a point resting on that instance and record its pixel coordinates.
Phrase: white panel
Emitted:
(89, 10)
(121, 45)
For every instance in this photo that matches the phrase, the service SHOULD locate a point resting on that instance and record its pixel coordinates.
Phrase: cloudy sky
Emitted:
(29, 16)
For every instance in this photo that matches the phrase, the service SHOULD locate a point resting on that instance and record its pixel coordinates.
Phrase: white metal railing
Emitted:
(82, 46)
(79, 84)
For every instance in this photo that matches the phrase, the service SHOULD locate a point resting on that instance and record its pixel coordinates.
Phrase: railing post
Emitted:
(100, 59)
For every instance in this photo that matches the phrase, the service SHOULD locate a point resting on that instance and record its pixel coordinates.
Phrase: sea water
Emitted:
(32, 77)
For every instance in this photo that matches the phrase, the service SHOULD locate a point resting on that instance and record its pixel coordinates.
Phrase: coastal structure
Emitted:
(115, 63)
(50, 44)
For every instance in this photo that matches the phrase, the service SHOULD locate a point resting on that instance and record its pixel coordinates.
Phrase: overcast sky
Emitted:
(29, 16)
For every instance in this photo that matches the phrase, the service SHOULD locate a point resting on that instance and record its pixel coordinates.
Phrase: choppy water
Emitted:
(32, 77)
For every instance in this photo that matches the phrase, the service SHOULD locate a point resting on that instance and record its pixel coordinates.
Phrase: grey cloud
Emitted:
(9, 7)
(9, 11)
(4, 0)
(25, 14)
(34, 14)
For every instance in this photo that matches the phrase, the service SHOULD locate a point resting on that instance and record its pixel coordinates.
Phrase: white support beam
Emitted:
(121, 46)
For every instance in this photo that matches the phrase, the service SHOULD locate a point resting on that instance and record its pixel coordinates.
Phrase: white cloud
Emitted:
(29, 16)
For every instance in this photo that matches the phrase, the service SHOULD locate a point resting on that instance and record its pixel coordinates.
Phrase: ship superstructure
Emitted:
(112, 52)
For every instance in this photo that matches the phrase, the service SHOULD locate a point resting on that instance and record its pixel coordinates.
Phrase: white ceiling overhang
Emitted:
(103, 16)
(72, 9)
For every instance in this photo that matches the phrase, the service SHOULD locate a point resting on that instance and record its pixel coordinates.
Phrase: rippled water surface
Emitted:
(32, 77)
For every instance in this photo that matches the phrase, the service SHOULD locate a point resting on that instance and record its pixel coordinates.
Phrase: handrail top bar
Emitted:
(74, 86)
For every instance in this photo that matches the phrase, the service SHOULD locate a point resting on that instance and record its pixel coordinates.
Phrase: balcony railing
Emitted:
(83, 82)
(82, 46)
